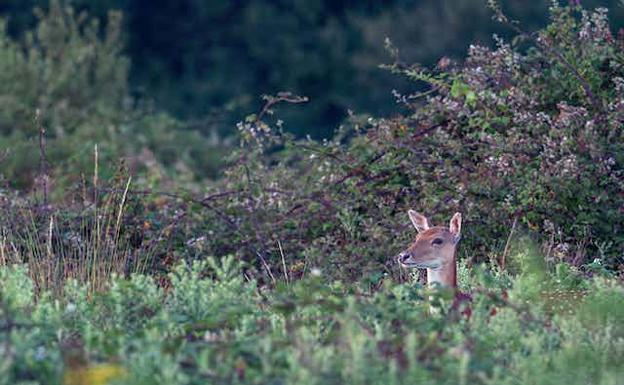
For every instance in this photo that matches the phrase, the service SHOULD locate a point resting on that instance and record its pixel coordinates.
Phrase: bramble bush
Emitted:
(525, 138)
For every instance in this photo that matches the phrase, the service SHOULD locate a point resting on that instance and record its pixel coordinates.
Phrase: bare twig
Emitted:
(508, 244)
(271, 101)
(279, 244)
(267, 267)
(43, 162)
(95, 173)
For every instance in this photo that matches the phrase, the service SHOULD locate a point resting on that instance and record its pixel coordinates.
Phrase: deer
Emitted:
(434, 249)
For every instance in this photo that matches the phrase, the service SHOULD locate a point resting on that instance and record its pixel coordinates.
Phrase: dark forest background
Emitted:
(207, 62)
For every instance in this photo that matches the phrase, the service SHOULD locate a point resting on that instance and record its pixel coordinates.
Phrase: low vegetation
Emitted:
(213, 324)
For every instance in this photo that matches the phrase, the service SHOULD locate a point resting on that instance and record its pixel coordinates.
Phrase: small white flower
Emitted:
(211, 336)
(70, 308)
(40, 353)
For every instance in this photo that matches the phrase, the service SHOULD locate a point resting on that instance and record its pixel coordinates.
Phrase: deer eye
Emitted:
(437, 241)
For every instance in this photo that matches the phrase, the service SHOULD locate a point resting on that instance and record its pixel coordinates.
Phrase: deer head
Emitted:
(433, 249)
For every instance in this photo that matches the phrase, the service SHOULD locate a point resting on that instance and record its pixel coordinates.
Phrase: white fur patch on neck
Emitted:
(435, 276)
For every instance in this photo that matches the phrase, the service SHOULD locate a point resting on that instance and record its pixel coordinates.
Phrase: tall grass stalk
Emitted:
(86, 243)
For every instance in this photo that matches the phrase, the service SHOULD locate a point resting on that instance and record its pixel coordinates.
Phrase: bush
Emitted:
(527, 135)
(524, 138)
(68, 78)
(77, 81)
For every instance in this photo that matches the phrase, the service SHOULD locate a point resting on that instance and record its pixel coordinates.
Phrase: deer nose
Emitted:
(402, 257)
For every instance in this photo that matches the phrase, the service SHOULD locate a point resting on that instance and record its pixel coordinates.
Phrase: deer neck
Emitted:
(445, 275)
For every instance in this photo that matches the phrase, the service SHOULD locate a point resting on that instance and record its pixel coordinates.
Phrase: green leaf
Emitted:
(471, 98)
(458, 88)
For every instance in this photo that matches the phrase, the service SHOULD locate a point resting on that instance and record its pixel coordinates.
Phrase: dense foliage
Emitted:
(526, 137)
(212, 325)
(516, 140)
(104, 268)
(68, 81)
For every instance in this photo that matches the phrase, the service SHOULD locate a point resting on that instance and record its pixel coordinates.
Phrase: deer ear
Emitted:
(455, 225)
(419, 221)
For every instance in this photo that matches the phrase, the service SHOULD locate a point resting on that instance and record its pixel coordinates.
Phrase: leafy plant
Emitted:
(211, 324)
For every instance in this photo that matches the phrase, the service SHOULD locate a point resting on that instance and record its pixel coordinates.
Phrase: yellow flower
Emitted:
(93, 375)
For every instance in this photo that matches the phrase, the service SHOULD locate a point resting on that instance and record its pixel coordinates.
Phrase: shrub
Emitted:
(523, 138)
(526, 135)
(306, 332)
(74, 77)
(68, 79)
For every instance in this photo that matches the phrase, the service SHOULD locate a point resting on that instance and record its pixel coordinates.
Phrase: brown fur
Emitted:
(434, 249)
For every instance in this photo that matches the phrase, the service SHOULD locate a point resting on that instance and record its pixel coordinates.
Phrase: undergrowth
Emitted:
(211, 324)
